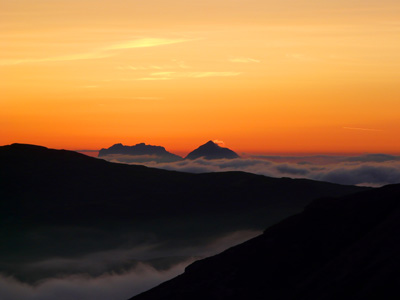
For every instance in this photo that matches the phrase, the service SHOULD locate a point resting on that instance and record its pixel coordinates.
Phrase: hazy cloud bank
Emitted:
(161, 254)
(115, 274)
(369, 169)
(83, 287)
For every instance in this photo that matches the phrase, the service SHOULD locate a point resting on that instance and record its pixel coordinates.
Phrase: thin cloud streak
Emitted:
(139, 68)
(212, 74)
(101, 53)
(72, 57)
(362, 129)
(162, 73)
(175, 64)
(146, 98)
(176, 75)
(154, 78)
(219, 142)
(244, 60)
(146, 43)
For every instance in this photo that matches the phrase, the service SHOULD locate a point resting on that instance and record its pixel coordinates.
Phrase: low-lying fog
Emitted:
(365, 170)
(113, 274)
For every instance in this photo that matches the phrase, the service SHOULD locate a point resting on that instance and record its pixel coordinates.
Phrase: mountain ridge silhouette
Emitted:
(337, 248)
(140, 152)
(144, 153)
(211, 150)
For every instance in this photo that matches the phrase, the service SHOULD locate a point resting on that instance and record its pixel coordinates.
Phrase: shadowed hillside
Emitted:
(346, 248)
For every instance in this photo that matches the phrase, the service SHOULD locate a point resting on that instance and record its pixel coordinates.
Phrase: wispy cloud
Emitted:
(146, 42)
(218, 142)
(175, 75)
(141, 68)
(162, 73)
(133, 68)
(71, 57)
(133, 98)
(90, 86)
(362, 129)
(244, 60)
(181, 64)
(147, 98)
(211, 74)
(154, 78)
(104, 52)
(176, 64)
(195, 74)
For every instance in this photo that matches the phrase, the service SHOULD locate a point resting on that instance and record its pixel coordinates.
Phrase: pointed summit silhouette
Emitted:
(211, 150)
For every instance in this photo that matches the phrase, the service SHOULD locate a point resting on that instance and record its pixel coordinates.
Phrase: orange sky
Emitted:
(294, 76)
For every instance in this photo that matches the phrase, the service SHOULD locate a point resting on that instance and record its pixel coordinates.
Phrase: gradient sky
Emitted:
(260, 75)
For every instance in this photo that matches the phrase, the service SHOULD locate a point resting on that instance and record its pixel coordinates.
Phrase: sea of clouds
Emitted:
(84, 287)
(93, 276)
(365, 170)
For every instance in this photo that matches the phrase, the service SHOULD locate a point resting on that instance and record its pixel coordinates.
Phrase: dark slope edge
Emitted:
(347, 248)
(57, 203)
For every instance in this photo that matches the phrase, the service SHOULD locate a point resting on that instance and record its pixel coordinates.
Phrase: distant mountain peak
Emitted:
(116, 146)
(211, 143)
(139, 153)
(211, 150)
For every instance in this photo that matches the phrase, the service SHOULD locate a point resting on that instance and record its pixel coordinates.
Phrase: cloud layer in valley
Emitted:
(114, 274)
(83, 287)
(368, 170)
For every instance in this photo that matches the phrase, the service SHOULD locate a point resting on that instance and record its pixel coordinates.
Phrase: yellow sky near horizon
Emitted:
(294, 76)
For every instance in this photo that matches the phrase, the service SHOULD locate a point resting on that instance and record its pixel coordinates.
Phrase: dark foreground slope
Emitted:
(347, 248)
(60, 204)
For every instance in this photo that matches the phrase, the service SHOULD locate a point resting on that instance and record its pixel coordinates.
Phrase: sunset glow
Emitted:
(259, 76)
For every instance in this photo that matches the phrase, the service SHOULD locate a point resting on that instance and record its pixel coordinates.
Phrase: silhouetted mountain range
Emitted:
(140, 153)
(62, 204)
(346, 248)
(211, 150)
